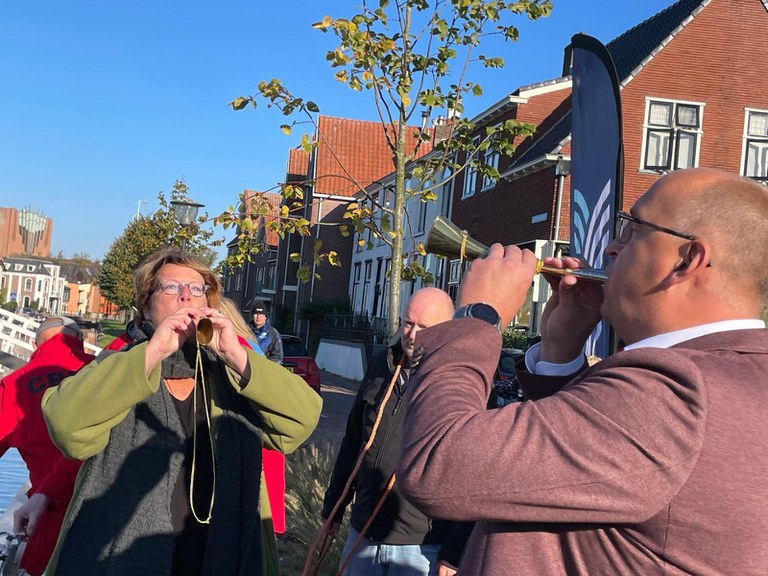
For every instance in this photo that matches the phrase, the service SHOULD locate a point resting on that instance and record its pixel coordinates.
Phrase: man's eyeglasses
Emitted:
(623, 230)
(196, 289)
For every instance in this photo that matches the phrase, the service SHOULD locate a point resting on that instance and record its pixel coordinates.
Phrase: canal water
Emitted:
(13, 472)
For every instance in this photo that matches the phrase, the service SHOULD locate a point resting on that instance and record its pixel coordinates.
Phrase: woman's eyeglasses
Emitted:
(196, 289)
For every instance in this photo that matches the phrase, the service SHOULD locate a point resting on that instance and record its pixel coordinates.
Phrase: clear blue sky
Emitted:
(104, 103)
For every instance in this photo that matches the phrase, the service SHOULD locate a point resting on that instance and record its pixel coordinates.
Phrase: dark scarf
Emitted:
(119, 523)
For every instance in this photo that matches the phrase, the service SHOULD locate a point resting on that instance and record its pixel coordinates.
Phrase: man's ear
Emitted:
(695, 258)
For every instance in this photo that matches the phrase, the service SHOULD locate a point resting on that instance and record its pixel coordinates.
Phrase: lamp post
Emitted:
(138, 208)
(185, 212)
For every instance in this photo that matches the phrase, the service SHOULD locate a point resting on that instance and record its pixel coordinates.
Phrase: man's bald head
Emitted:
(660, 282)
(427, 307)
(55, 325)
(731, 213)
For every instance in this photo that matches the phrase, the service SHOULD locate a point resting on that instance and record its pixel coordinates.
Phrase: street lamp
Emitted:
(185, 212)
(138, 208)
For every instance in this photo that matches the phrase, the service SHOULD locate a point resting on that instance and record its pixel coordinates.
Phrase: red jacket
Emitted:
(22, 427)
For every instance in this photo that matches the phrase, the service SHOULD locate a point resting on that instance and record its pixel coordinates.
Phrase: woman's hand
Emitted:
(225, 343)
(170, 334)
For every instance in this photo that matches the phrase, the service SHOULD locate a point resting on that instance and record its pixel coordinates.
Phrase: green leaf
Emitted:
(286, 129)
(239, 103)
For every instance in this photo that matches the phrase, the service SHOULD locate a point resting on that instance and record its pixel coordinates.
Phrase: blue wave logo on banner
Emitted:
(591, 226)
(590, 236)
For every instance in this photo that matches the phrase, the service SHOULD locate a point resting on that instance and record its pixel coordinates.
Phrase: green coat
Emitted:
(84, 408)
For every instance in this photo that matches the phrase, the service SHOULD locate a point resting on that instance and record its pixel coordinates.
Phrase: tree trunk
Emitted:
(397, 227)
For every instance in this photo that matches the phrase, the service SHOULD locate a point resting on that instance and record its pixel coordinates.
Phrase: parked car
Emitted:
(505, 387)
(296, 359)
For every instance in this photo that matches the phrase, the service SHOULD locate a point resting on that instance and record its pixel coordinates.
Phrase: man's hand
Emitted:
(26, 517)
(501, 279)
(443, 570)
(571, 313)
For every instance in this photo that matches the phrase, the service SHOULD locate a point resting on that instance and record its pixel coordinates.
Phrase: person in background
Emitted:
(400, 539)
(652, 461)
(59, 353)
(267, 337)
(171, 433)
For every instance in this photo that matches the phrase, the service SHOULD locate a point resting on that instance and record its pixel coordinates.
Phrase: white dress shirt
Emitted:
(667, 340)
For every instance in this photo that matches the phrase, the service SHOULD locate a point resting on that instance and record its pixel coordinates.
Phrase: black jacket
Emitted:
(398, 521)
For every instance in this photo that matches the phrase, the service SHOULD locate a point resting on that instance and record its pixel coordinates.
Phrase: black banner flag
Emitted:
(597, 161)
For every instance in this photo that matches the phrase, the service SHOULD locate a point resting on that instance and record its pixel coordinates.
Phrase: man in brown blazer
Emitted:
(652, 461)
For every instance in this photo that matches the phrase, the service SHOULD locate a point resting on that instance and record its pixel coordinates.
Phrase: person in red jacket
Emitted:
(59, 354)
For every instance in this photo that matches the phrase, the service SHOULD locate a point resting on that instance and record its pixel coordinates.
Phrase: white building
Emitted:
(369, 278)
(27, 281)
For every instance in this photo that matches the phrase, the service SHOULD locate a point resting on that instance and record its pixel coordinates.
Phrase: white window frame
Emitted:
(755, 139)
(470, 173)
(356, 284)
(490, 158)
(676, 130)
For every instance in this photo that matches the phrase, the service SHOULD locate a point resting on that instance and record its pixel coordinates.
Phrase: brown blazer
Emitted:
(653, 461)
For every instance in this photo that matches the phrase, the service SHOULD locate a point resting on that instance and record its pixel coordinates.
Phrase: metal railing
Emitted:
(17, 337)
(372, 332)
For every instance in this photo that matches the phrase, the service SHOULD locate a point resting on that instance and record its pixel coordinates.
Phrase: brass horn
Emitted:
(446, 239)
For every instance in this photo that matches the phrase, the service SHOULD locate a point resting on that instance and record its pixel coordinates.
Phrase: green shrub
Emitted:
(514, 337)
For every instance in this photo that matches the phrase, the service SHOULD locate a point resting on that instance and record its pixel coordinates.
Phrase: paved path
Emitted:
(338, 396)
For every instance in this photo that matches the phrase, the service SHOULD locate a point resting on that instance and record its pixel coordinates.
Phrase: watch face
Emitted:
(484, 312)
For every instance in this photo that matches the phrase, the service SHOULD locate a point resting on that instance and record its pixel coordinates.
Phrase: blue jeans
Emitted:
(376, 559)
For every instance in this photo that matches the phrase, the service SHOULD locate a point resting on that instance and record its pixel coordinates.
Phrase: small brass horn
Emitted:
(204, 331)
(446, 239)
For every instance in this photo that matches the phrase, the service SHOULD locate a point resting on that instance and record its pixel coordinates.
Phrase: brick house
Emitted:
(350, 156)
(256, 281)
(691, 96)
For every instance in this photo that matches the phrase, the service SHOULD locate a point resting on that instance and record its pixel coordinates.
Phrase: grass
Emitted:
(307, 474)
(110, 329)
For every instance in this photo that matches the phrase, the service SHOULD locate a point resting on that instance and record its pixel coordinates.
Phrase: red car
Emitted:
(296, 359)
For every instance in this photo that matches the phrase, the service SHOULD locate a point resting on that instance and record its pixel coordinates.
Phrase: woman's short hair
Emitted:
(145, 282)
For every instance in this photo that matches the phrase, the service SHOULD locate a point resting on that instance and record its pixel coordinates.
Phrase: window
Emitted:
(756, 144)
(470, 172)
(672, 135)
(366, 285)
(356, 285)
(421, 215)
(28, 284)
(490, 159)
(454, 277)
(271, 275)
(385, 292)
